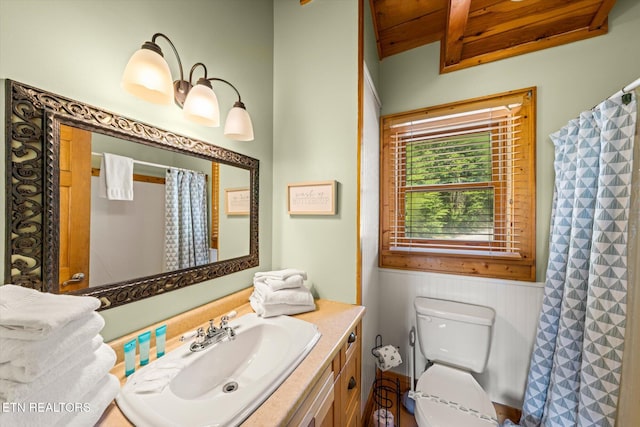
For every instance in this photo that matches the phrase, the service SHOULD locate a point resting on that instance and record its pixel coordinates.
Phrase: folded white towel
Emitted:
(281, 274)
(72, 390)
(22, 312)
(101, 360)
(155, 378)
(34, 367)
(116, 177)
(290, 282)
(60, 342)
(271, 310)
(97, 400)
(296, 296)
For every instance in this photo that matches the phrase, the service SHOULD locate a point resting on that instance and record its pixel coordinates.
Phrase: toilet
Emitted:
(456, 337)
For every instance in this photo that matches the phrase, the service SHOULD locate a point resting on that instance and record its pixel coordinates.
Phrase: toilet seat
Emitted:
(451, 397)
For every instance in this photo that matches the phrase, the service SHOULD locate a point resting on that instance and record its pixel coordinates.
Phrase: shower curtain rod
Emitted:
(628, 88)
(155, 165)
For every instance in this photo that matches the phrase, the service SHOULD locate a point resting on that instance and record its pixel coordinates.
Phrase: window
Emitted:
(458, 188)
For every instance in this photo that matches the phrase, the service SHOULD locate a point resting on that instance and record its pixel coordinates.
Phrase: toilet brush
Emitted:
(407, 397)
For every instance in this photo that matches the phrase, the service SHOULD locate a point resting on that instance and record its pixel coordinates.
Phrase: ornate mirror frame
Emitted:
(33, 117)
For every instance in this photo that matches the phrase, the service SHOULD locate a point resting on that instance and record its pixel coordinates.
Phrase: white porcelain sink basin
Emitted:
(223, 384)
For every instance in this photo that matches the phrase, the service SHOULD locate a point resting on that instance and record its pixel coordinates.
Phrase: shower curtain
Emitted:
(186, 232)
(574, 376)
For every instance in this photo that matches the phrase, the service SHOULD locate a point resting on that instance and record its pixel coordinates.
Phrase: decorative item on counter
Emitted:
(143, 340)
(130, 357)
(161, 337)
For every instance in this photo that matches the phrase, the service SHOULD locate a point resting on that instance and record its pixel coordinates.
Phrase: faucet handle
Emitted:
(225, 319)
(200, 336)
(212, 327)
(189, 335)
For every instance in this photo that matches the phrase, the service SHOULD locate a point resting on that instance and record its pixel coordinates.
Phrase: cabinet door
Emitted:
(318, 404)
(350, 389)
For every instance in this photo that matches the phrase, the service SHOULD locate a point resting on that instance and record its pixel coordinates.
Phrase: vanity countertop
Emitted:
(333, 319)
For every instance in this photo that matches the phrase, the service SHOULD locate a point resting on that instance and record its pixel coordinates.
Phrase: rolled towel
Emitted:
(21, 312)
(271, 310)
(65, 397)
(387, 357)
(281, 274)
(27, 360)
(12, 391)
(96, 401)
(297, 296)
(291, 282)
(155, 378)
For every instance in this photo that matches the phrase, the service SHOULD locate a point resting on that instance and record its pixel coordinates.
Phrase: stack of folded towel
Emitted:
(281, 292)
(54, 365)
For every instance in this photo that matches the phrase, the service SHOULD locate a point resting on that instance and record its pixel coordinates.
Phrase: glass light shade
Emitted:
(238, 125)
(201, 106)
(148, 77)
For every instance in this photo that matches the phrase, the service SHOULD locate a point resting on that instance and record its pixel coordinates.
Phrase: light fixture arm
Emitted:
(154, 46)
(180, 87)
(238, 103)
(196, 65)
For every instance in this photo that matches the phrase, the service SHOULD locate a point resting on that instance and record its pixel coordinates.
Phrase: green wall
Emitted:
(79, 49)
(570, 78)
(315, 138)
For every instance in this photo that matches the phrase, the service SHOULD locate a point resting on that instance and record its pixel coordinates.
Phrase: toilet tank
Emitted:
(454, 333)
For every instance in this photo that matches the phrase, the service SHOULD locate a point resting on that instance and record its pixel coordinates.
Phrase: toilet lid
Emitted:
(447, 397)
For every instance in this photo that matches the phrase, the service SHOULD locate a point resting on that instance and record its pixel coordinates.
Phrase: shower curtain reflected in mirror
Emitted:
(186, 231)
(576, 365)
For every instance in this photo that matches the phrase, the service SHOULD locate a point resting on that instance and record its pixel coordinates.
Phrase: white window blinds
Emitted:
(455, 182)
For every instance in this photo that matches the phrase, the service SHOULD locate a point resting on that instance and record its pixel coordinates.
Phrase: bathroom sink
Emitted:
(223, 384)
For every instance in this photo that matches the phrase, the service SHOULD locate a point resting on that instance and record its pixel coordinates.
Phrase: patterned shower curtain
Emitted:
(574, 377)
(186, 232)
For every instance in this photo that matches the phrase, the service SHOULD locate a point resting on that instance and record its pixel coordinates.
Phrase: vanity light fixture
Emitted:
(147, 76)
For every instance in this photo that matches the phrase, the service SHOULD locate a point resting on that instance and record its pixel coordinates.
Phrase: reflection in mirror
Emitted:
(122, 242)
(166, 225)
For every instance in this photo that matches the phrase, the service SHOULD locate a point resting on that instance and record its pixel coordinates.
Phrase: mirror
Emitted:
(126, 254)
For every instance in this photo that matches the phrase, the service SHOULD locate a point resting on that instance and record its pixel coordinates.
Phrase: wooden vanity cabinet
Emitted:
(335, 399)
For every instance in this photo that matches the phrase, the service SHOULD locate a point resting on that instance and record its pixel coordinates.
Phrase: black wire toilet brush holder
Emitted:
(385, 390)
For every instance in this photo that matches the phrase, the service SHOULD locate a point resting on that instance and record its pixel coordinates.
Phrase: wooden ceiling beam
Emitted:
(457, 15)
(601, 15)
(417, 32)
(527, 47)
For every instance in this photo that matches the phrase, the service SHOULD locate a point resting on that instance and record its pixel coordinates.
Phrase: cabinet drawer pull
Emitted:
(352, 338)
(352, 383)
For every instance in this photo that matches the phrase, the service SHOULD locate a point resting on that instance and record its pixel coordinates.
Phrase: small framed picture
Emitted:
(312, 198)
(237, 201)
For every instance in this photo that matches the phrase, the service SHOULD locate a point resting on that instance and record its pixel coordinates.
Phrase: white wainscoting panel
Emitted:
(517, 306)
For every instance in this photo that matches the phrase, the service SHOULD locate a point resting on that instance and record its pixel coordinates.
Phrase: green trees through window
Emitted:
(449, 191)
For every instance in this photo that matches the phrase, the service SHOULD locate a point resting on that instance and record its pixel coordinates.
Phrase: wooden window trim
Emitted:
(503, 266)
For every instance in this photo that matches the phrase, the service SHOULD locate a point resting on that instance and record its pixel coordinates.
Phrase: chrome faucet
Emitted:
(214, 334)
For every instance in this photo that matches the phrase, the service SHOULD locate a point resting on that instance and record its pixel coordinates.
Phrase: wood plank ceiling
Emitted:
(474, 32)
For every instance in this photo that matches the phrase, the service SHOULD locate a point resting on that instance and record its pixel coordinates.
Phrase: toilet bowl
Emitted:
(451, 397)
(456, 337)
